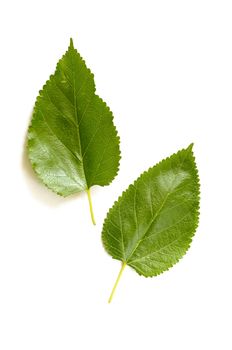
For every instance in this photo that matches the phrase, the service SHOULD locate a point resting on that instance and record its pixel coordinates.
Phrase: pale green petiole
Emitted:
(117, 280)
(90, 206)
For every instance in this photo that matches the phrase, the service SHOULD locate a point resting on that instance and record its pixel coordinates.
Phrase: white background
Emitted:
(165, 69)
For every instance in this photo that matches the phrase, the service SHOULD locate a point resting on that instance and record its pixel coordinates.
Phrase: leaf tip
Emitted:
(71, 44)
(190, 147)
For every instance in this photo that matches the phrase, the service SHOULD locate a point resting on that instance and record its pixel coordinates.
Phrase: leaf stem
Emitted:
(117, 280)
(90, 206)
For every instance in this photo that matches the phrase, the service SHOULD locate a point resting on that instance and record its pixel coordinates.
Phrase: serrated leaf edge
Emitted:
(197, 210)
(28, 147)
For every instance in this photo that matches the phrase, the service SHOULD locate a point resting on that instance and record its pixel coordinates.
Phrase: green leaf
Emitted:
(151, 225)
(72, 141)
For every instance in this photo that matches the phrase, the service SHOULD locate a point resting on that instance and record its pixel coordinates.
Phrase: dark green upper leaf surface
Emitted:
(151, 225)
(72, 141)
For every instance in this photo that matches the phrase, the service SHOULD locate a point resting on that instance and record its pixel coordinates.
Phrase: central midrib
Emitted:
(77, 121)
(157, 213)
(147, 230)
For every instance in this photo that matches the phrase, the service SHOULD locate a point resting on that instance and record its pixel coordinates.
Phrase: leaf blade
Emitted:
(151, 225)
(70, 130)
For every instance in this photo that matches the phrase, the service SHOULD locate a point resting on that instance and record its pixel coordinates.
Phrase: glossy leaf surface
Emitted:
(151, 225)
(72, 141)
